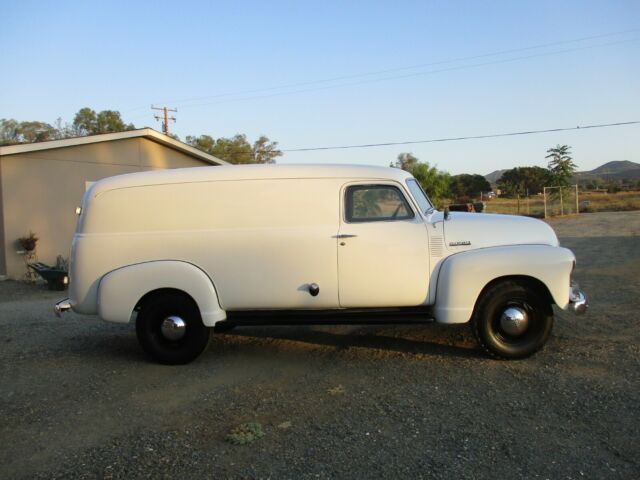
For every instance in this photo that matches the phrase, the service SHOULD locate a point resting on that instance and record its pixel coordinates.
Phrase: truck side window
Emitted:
(372, 203)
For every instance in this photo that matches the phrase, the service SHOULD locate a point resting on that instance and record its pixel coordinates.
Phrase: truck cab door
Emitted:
(383, 255)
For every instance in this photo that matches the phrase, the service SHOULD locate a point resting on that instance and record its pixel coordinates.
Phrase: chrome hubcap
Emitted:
(173, 328)
(514, 321)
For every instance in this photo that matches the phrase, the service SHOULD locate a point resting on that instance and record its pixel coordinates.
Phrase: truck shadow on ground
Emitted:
(424, 340)
(120, 343)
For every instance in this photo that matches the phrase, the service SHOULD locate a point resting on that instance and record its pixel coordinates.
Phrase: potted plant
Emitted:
(28, 243)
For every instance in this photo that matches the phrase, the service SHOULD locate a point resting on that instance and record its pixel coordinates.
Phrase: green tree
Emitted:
(109, 121)
(234, 150)
(561, 165)
(237, 149)
(63, 129)
(203, 142)
(366, 203)
(434, 182)
(405, 161)
(265, 151)
(613, 186)
(85, 121)
(88, 122)
(13, 132)
(524, 180)
(9, 131)
(466, 185)
(36, 132)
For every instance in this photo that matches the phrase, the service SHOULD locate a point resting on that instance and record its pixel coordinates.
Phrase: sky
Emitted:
(336, 73)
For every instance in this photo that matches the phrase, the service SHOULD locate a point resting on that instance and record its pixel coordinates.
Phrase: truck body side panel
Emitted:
(262, 241)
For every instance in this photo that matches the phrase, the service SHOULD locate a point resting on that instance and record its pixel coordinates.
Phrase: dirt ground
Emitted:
(78, 399)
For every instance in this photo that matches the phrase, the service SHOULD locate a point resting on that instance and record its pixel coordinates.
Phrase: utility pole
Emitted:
(165, 118)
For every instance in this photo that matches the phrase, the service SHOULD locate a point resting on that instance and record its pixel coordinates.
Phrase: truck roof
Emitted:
(246, 172)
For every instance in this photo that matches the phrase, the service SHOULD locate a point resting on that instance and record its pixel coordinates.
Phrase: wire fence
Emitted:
(553, 201)
(559, 201)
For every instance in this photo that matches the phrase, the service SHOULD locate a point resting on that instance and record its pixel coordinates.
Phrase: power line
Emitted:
(409, 75)
(398, 69)
(410, 67)
(454, 139)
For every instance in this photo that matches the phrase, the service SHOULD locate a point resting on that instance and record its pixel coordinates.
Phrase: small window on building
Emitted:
(373, 203)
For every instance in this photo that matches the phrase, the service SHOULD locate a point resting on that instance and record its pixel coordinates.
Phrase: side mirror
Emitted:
(446, 213)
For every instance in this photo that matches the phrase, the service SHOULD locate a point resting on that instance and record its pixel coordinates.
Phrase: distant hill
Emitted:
(493, 177)
(615, 170)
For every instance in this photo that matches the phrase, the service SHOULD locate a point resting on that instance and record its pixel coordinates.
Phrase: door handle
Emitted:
(345, 235)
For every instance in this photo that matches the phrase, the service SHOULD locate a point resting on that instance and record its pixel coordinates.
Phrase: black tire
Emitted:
(163, 350)
(488, 327)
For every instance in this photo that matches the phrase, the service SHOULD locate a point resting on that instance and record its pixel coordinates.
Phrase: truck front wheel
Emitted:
(512, 320)
(170, 329)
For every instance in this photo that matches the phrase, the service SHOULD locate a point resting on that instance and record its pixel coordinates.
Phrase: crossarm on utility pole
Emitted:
(165, 117)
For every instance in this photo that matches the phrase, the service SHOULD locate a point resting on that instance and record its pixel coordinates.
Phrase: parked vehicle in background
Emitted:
(185, 250)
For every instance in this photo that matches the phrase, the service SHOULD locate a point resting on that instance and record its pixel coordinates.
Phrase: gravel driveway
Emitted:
(78, 398)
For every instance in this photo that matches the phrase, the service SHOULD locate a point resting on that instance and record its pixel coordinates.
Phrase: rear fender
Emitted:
(120, 290)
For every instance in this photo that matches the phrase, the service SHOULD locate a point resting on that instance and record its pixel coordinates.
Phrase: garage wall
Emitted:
(40, 190)
(3, 269)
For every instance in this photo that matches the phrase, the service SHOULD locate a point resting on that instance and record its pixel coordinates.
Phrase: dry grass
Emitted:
(611, 202)
(588, 202)
(531, 206)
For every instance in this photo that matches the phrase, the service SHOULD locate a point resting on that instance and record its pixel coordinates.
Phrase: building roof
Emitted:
(148, 133)
(248, 172)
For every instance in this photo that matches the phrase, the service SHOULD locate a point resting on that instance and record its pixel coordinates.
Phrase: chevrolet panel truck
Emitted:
(182, 251)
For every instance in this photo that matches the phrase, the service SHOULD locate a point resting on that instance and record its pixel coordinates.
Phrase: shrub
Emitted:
(245, 433)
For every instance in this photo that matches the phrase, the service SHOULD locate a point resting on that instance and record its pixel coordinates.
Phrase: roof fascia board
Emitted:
(108, 137)
(183, 147)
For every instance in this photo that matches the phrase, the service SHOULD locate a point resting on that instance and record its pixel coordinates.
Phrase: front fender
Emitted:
(463, 276)
(120, 290)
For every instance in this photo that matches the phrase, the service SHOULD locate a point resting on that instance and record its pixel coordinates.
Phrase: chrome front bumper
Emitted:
(577, 300)
(61, 307)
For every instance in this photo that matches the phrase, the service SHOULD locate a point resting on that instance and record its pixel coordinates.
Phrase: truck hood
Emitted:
(466, 231)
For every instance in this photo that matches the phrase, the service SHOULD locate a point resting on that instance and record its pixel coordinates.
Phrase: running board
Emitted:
(328, 317)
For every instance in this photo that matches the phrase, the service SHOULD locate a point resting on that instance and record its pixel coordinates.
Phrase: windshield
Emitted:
(418, 194)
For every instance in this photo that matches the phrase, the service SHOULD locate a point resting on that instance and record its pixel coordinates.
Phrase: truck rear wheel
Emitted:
(170, 329)
(512, 320)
